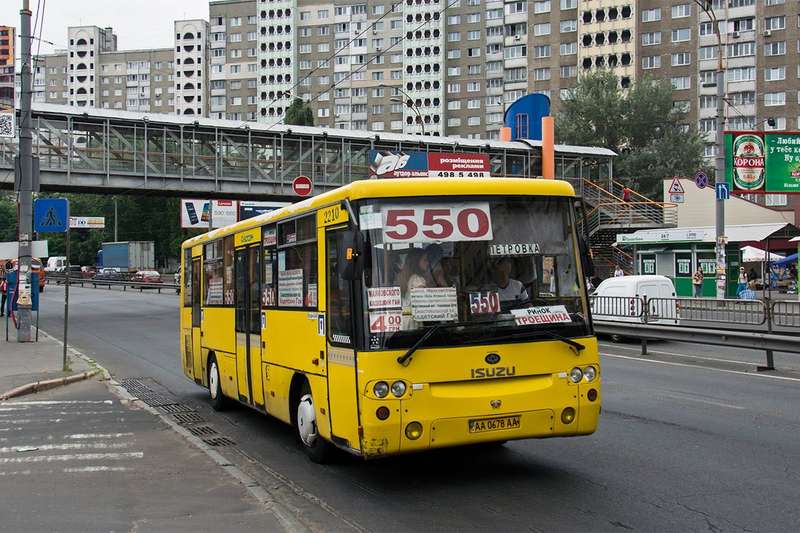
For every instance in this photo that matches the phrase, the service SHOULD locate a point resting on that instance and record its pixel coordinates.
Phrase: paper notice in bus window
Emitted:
(552, 314)
(385, 321)
(290, 288)
(434, 304)
(311, 295)
(384, 298)
(214, 296)
(268, 297)
(270, 237)
(370, 221)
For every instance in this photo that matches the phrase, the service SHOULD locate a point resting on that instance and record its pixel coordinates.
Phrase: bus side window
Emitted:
(187, 277)
(297, 263)
(340, 323)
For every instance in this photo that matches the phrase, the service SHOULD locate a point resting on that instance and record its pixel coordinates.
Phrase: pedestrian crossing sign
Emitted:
(676, 187)
(51, 215)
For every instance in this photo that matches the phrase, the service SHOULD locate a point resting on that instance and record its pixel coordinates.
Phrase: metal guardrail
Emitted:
(687, 320)
(124, 284)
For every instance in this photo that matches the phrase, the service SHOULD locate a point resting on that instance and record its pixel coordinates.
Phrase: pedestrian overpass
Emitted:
(121, 152)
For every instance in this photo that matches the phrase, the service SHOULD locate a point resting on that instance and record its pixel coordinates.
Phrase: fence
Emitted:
(690, 320)
(58, 279)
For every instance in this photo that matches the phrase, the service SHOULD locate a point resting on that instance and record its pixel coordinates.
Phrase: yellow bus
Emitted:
(394, 316)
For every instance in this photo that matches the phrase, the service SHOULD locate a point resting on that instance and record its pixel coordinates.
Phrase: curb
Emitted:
(37, 386)
(262, 495)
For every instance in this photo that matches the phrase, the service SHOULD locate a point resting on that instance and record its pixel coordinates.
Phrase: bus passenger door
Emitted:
(197, 296)
(247, 292)
(341, 356)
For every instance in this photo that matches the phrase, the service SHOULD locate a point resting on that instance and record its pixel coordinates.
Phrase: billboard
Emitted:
(416, 164)
(250, 209)
(198, 213)
(762, 162)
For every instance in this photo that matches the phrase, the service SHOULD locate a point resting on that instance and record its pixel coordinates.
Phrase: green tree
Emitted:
(299, 114)
(640, 124)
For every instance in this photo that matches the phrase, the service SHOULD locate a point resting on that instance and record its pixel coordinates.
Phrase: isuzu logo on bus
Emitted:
(492, 358)
(494, 372)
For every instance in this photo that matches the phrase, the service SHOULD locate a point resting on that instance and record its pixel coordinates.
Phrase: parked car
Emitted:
(88, 272)
(147, 276)
(109, 274)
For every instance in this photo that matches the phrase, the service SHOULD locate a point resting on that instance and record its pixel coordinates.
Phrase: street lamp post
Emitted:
(719, 159)
(409, 103)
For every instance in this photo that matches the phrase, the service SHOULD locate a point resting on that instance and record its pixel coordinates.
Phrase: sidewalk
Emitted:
(23, 363)
(80, 458)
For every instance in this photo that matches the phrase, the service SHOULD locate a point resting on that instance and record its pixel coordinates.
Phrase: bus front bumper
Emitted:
(455, 414)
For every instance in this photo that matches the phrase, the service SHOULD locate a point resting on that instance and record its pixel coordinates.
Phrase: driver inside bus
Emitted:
(509, 289)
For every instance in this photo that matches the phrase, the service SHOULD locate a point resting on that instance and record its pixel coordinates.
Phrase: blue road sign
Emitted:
(723, 191)
(701, 180)
(51, 215)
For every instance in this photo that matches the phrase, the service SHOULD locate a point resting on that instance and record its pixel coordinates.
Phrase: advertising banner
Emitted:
(762, 162)
(196, 213)
(415, 164)
(87, 222)
(250, 209)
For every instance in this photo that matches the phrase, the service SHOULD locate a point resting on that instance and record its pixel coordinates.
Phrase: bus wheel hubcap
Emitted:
(214, 381)
(306, 420)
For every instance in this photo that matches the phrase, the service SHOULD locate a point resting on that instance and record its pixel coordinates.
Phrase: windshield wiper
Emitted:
(578, 347)
(433, 329)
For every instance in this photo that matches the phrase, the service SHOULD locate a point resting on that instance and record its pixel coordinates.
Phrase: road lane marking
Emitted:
(71, 446)
(98, 435)
(690, 398)
(637, 348)
(97, 469)
(671, 363)
(58, 402)
(73, 457)
(31, 420)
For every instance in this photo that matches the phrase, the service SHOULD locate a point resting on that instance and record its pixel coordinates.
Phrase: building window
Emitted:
(775, 49)
(775, 23)
(474, 121)
(651, 15)
(774, 99)
(650, 62)
(541, 6)
(681, 82)
(775, 73)
(651, 38)
(681, 35)
(707, 52)
(541, 74)
(742, 49)
(741, 74)
(541, 29)
(681, 59)
(541, 51)
(567, 49)
(681, 11)
(568, 26)
(569, 71)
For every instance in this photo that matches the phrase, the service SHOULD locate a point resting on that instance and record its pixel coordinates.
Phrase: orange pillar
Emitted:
(505, 133)
(548, 148)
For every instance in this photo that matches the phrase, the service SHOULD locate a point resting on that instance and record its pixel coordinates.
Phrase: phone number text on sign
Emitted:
(437, 223)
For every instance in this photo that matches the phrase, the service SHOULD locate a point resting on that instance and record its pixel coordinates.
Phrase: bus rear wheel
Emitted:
(317, 448)
(218, 400)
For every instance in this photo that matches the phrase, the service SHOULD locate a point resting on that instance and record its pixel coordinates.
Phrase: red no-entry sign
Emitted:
(302, 186)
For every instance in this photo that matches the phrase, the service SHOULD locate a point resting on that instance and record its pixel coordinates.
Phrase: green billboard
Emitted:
(762, 162)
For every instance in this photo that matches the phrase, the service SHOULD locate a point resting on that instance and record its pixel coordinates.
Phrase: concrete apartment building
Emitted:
(7, 40)
(458, 62)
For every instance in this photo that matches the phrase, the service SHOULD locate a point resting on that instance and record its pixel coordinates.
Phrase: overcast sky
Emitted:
(137, 23)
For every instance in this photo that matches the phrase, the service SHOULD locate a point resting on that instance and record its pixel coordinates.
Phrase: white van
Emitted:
(56, 263)
(620, 299)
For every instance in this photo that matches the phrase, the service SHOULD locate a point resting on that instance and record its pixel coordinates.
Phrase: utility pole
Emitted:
(719, 167)
(25, 169)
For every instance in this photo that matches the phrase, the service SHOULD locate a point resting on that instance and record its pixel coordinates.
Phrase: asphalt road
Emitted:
(692, 439)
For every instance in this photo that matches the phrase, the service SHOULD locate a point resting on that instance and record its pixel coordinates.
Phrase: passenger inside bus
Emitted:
(509, 289)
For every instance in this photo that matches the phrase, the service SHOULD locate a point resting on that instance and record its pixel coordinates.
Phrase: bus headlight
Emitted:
(381, 389)
(414, 430)
(590, 373)
(575, 375)
(398, 388)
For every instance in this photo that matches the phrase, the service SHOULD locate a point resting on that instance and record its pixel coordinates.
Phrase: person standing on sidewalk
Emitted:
(697, 282)
(742, 286)
(3, 287)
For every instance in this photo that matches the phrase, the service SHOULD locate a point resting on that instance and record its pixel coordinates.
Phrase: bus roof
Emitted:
(404, 187)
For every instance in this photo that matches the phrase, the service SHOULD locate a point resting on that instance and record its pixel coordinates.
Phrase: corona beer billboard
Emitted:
(762, 162)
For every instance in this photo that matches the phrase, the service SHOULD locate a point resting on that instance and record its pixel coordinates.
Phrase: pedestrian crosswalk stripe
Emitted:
(71, 446)
(72, 457)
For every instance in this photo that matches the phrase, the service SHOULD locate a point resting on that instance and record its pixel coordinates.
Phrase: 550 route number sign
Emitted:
(437, 223)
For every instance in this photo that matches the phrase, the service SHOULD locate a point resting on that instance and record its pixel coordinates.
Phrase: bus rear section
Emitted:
(473, 324)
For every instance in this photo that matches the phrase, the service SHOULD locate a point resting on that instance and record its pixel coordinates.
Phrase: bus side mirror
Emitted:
(351, 265)
(587, 262)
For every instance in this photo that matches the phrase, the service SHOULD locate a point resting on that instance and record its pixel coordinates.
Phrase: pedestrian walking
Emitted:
(3, 287)
(618, 272)
(697, 282)
(742, 286)
(626, 194)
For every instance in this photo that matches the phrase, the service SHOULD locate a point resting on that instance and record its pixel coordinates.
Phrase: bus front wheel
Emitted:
(317, 449)
(218, 401)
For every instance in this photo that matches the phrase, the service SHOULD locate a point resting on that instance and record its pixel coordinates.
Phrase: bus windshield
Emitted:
(491, 268)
